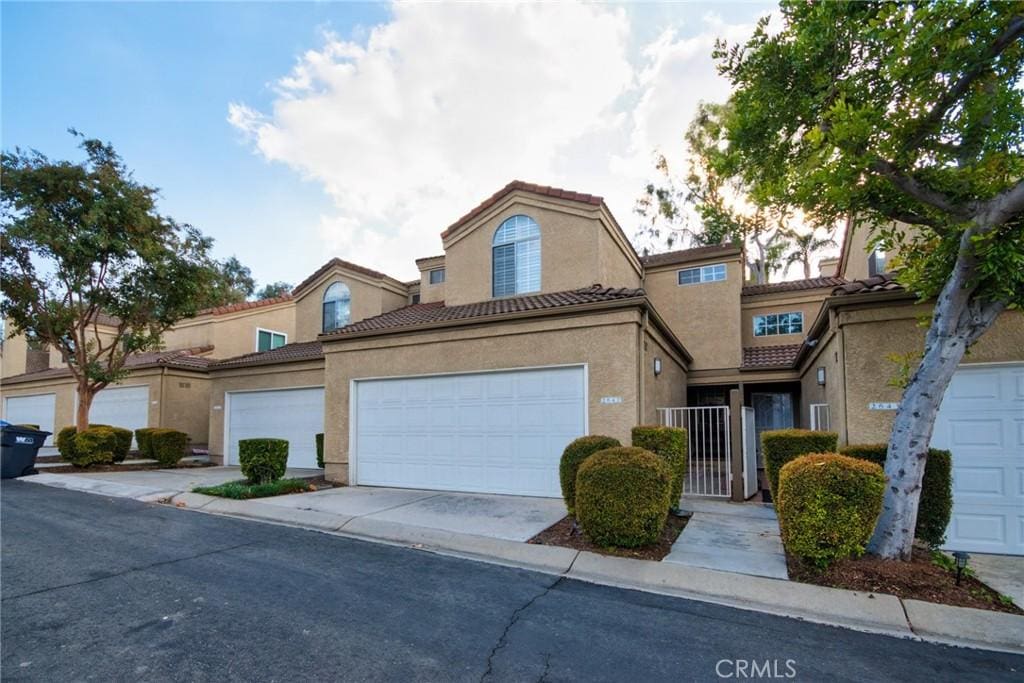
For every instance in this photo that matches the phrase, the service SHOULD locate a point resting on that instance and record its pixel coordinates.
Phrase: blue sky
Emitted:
(295, 132)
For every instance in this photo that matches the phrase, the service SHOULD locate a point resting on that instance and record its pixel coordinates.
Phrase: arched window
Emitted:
(516, 257)
(337, 306)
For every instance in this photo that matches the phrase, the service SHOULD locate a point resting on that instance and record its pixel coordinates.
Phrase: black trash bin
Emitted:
(18, 449)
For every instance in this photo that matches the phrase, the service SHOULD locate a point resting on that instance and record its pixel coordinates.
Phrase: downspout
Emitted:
(160, 407)
(641, 360)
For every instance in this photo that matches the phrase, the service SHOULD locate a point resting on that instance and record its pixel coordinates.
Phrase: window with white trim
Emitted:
(337, 307)
(515, 257)
(268, 340)
(695, 276)
(821, 418)
(774, 324)
(437, 276)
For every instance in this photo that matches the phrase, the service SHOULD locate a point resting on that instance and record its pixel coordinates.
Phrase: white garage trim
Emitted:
(227, 411)
(353, 431)
(47, 403)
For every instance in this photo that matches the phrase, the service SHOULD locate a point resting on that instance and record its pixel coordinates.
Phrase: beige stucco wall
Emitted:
(577, 249)
(232, 334)
(871, 334)
(280, 376)
(828, 354)
(16, 352)
(430, 293)
(606, 342)
(667, 390)
(789, 302)
(185, 404)
(705, 317)
(370, 297)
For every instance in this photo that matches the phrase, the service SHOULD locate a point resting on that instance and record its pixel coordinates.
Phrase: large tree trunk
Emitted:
(85, 396)
(957, 322)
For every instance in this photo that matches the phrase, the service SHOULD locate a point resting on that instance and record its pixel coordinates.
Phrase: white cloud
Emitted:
(444, 104)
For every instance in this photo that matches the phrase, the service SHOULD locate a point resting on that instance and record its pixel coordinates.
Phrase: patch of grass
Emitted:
(243, 490)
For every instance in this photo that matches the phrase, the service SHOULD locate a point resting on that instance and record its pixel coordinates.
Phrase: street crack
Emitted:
(503, 640)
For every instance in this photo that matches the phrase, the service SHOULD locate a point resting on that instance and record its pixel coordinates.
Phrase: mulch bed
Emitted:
(919, 579)
(561, 533)
(65, 469)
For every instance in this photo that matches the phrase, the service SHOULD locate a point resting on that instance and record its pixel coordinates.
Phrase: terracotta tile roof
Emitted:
(186, 359)
(288, 353)
(876, 283)
(525, 187)
(687, 255)
(794, 285)
(436, 312)
(781, 356)
(339, 263)
(245, 305)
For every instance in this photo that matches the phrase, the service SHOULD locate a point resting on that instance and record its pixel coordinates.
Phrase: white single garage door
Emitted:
(491, 432)
(293, 414)
(34, 410)
(125, 407)
(982, 422)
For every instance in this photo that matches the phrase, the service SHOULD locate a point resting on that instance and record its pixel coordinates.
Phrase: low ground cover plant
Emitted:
(243, 490)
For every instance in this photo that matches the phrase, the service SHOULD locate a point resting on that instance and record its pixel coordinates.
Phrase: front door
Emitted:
(772, 410)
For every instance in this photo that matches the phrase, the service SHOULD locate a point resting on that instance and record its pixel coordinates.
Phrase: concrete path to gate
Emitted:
(1005, 573)
(733, 537)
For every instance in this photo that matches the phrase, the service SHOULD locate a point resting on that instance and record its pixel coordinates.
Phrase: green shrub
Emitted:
(142, 440)
(95, 445)
(66, 443)
(572, 457)
(28, 426)
(243, 490)
(263, 460)
(936, 504)
(669, 444)
(320, 450)
(782, 445)
(167, 446)
(124, 441)
(828, 505)
(622, 496)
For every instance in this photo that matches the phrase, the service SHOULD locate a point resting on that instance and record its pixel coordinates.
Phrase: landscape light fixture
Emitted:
(961, 563)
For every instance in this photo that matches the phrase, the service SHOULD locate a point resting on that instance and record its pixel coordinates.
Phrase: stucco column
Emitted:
(736, 443)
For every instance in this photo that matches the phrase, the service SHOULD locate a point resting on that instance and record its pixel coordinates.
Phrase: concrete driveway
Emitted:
(513, 518)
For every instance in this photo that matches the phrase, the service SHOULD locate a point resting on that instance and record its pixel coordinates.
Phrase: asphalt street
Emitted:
(112, 589)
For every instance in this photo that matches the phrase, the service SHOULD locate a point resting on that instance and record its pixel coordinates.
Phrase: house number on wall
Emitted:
(883, 406)
(611, 399)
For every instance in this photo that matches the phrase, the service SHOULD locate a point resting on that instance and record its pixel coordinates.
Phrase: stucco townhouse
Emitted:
(540, 323)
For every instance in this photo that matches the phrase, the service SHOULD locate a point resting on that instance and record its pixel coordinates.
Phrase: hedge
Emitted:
(622, 497)
(936, 502)
(782, 445)
(670, 444)
(29, 426)
(320, 450)
(142, 439)
(167, 446)
(124, 441)
(66, 443)
(95, 445)
(828, 505)
(572, 457)
(263, 460)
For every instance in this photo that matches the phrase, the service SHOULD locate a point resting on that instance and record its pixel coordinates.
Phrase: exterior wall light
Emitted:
(821, 376)
(657, 367)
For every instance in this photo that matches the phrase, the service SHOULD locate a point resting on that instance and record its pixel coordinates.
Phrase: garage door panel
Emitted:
(500, 432)
(125, 407)
(292, 414)
(38, 409)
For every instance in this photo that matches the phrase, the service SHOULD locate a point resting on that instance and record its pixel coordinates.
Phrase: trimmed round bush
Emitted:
(124, 442)
(95, 445)
(572, 457)
(66, 443)
(167, 446)
(263, 460)
(320, 450)
(622, 496)
(779, 446)
(936, 502)
(828, 505)
(142, 440)
(670, 444)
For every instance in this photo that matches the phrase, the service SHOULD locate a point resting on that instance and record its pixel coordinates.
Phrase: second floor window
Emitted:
(437, 276)
(267, 340)
(337, 307)
(516, 257)
(694, 276)
(778, 323)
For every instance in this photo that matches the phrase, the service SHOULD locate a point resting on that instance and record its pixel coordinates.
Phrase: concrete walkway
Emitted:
(733, 537)
(1004, 573)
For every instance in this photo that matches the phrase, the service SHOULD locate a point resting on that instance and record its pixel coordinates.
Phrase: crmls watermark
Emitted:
(753, 668)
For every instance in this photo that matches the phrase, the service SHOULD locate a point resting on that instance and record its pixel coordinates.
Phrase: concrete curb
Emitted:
(959, 625)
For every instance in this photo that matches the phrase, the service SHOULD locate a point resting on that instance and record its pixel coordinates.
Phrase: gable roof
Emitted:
(193, 358)
(289, 353)
(794, 285)
(544, 190)
(687, 255)
(418, 315)
(338, 263)
(763, 357)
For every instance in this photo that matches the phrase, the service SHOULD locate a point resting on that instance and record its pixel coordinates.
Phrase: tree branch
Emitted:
(1000, 209)
(925, 195)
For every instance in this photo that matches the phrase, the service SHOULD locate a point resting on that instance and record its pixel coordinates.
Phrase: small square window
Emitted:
(267, 340)
(437, 276)
(415, 298)
(690, 276)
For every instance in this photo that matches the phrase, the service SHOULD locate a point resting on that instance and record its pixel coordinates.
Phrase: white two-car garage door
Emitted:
(492, 432)
(293, 414)
(33, 410)
(982, 422)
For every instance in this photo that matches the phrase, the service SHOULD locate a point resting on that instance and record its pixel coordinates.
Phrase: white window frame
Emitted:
(708, 273)
(524, 242)
(817, 409)
(753, 323)
(430, 276)
(271, 332)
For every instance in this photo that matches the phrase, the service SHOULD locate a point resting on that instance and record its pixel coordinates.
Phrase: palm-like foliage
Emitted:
(804, 245)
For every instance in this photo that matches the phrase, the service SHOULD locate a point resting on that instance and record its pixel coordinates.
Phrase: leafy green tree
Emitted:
(84, 246)
(274, 289)
(900, 114)
(234, 284)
